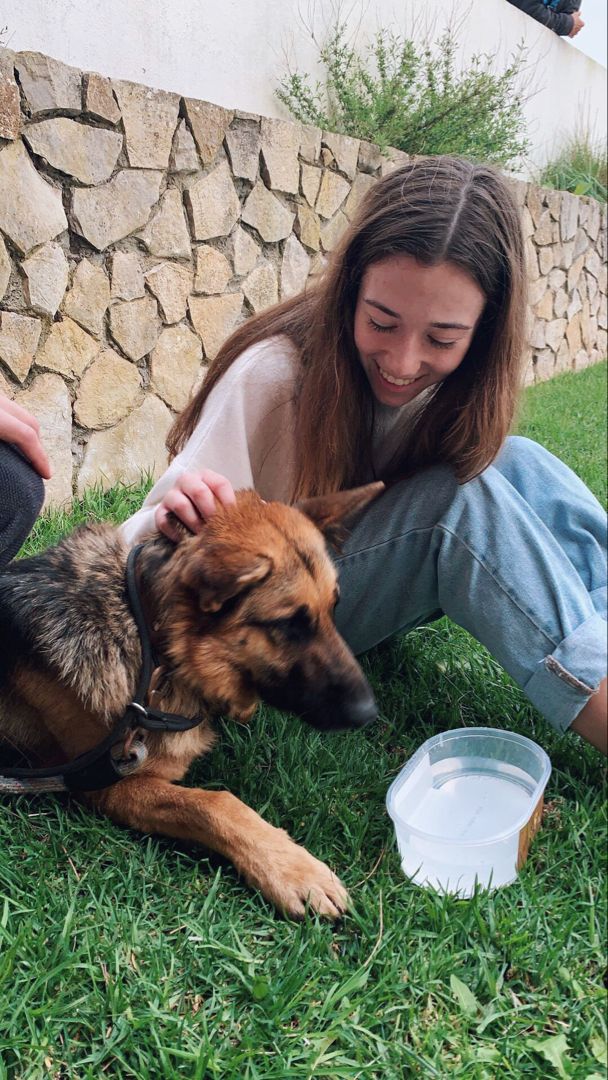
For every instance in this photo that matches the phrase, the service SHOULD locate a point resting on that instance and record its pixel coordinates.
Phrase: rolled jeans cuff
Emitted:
(565, 680)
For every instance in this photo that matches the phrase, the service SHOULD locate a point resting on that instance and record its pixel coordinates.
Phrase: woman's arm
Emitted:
(560, 23)
(241, 440)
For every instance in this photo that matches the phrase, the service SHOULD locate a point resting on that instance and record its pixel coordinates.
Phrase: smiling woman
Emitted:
(403, 363)
(413, 325)
(449, 217)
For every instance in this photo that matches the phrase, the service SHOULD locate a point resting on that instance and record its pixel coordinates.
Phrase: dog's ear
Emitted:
(216, 581)
(333, 513)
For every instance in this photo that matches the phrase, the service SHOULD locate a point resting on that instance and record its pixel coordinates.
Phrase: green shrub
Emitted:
(579, 168)
(409, 94)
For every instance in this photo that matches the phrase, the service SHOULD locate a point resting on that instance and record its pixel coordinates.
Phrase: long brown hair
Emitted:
(441, 209)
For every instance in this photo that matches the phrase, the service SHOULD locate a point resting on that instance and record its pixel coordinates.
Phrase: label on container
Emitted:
(529, 831)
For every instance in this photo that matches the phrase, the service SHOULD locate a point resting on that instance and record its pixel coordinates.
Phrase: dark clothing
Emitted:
(556, 17)
(21, 497)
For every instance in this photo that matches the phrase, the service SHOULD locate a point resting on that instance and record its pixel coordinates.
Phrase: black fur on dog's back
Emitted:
(52, 609)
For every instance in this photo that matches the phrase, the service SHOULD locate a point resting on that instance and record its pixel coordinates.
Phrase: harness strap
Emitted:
(99, 767)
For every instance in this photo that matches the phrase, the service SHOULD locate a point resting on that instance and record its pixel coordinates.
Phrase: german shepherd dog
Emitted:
(241, 612)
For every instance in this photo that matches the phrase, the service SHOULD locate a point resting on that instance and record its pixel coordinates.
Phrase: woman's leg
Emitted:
(566, 506)
(21, 498)
(481, 553)
(592, 721)
(576, 520)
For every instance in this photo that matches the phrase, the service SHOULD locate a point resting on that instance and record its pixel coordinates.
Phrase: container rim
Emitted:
(447, 736)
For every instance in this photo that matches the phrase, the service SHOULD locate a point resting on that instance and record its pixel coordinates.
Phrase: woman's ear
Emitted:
(333, 513)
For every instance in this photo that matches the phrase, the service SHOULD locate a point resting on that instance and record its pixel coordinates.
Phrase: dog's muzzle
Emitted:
(328, 705)
(340, 712)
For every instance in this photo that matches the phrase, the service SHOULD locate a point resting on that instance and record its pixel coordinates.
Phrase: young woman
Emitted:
(403, 363)
(23, 461)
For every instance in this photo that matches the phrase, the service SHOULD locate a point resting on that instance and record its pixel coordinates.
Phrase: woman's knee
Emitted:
(543, 479)
(418, 503)
(21, 499)
(519, 451)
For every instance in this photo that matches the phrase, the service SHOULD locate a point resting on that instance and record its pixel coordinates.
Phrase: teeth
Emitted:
(393, 380)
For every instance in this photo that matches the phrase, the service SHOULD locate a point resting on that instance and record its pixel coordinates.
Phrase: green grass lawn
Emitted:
(123, 956)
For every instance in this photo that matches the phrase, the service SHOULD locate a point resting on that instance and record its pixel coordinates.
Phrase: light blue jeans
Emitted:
(517, 556)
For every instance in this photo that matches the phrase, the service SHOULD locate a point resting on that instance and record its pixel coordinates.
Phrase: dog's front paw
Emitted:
(294, 881)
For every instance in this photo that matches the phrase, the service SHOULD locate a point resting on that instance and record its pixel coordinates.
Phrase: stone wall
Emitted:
(138, 228)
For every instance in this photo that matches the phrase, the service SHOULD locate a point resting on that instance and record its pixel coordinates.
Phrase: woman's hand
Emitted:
(193, 499)
(577, 23)
(23, 430)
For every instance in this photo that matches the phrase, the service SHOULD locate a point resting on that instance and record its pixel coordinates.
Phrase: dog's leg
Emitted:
(268, 858)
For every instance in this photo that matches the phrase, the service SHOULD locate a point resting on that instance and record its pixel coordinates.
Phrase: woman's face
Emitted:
(413, 325)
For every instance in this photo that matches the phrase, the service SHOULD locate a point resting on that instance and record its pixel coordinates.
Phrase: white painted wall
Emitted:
(232, 51)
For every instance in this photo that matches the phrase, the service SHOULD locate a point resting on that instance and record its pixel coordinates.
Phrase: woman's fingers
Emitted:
(13, 409)
(206, 491)
(164, 523)
(220, 486)
(200, 495)
(193, 500)
(179, 503)
(20, 428)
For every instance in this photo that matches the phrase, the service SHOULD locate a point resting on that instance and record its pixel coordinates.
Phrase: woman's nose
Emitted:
(406, 359)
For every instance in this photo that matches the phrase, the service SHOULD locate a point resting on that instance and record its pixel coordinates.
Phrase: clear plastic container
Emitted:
(466, 806)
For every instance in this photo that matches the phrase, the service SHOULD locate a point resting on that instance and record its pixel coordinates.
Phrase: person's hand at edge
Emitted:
(23, 430)
(193, 498)
(577, 23)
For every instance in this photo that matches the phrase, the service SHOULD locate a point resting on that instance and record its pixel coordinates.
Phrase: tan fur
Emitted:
(225, 612)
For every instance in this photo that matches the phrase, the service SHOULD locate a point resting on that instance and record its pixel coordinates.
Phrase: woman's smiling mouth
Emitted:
(392, 378)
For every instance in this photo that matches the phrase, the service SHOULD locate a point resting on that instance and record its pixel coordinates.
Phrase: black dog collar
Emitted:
(99, 768)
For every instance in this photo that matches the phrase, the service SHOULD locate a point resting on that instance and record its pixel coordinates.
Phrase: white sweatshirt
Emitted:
(246, 431)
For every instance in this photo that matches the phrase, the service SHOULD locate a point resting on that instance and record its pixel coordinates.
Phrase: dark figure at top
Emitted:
(562, 16)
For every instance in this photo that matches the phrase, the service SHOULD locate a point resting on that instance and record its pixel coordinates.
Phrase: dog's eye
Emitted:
(296, 627)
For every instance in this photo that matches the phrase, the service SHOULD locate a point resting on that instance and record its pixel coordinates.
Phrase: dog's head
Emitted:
(248, 611)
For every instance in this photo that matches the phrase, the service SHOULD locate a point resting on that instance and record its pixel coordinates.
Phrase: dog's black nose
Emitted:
(361, 713)
(345, 710)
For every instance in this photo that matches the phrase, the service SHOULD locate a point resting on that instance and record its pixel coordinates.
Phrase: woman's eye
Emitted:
(441, 344)
(379, 327)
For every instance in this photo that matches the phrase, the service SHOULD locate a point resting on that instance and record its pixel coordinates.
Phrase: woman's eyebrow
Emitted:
(381, 307)
(450, 326)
